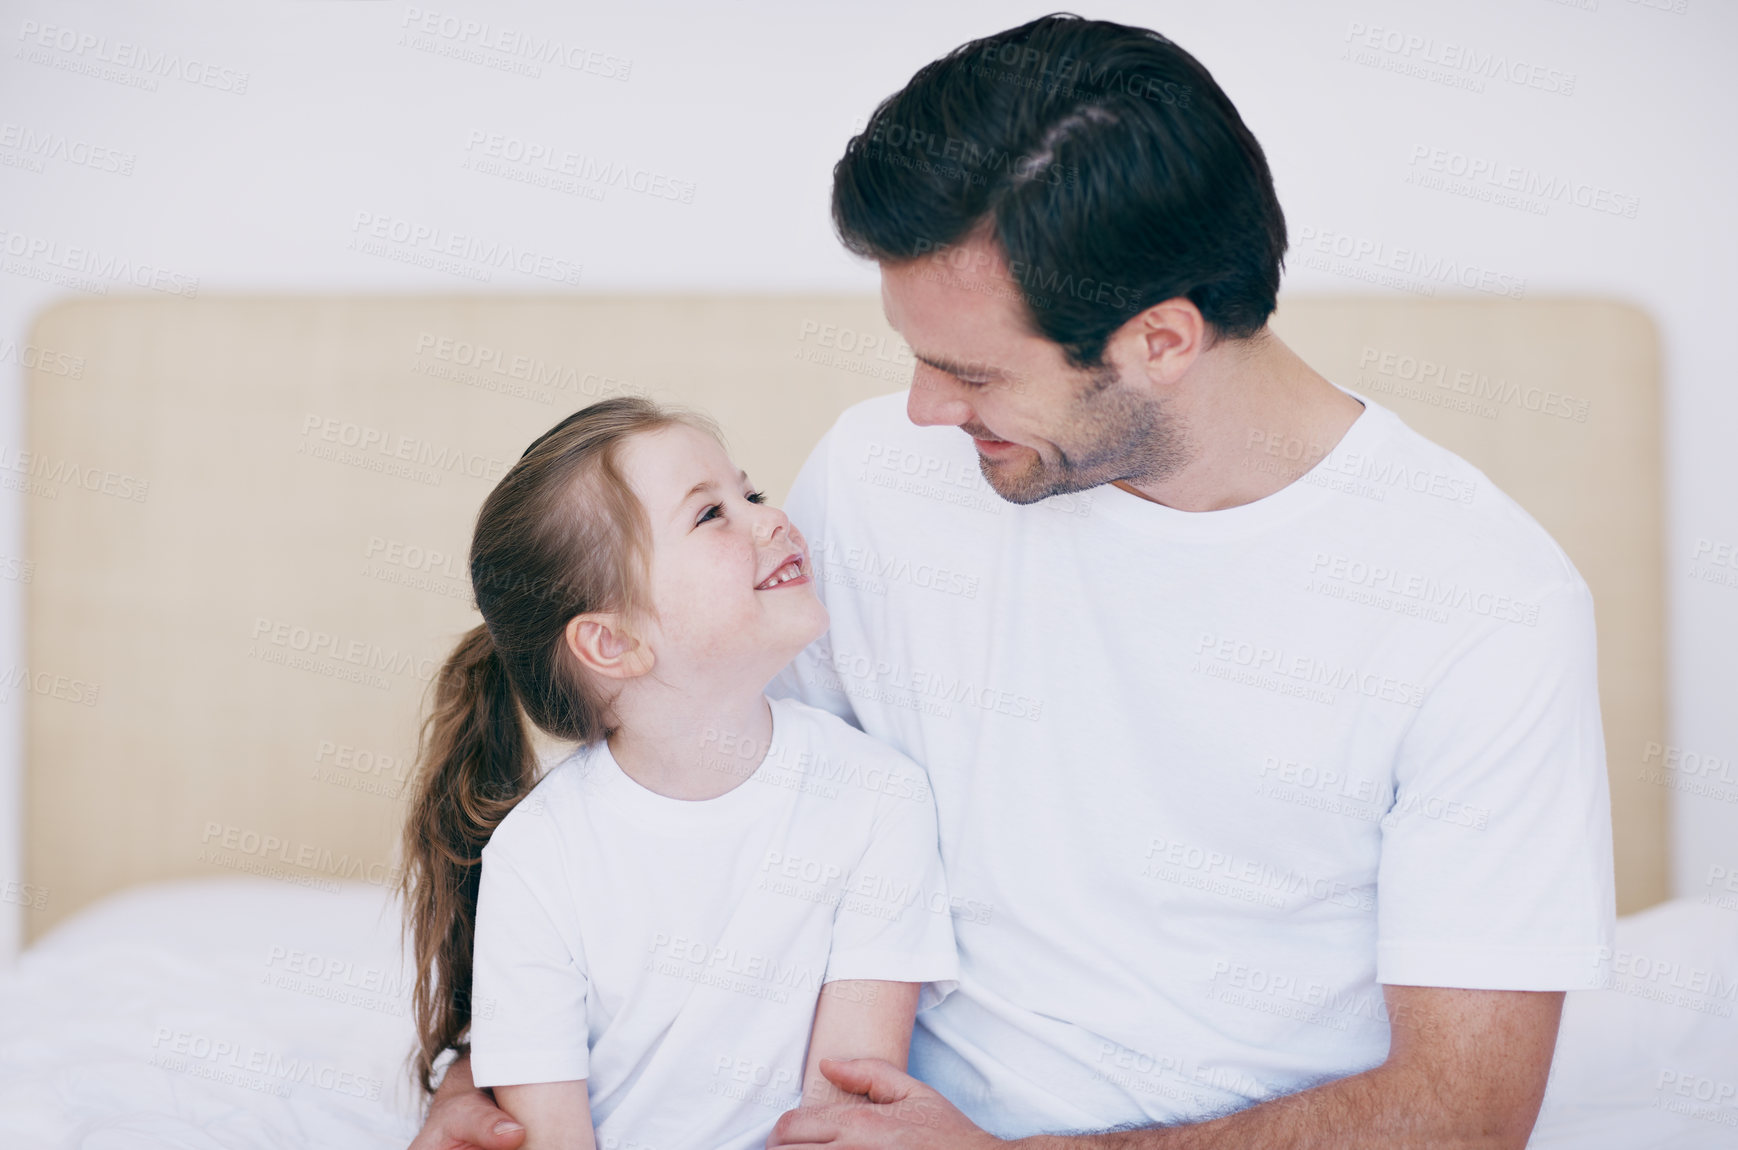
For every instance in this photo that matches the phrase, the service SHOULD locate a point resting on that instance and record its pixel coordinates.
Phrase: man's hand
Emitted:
(462, 1117)
(876, 1107)
(1465, 1068)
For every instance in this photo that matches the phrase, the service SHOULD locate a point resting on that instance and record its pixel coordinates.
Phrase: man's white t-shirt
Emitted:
(672, 952)
(1206, 779)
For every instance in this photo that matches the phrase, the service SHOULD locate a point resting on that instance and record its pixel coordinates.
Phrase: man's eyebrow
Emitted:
(703, 485)
(962, 370)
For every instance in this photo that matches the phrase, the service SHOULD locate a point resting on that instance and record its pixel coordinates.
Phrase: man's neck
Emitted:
(1255, 417)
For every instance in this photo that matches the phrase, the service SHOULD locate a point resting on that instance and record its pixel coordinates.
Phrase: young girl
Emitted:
(646, 940)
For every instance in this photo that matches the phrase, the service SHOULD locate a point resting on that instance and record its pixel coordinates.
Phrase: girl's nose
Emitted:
(770, 522)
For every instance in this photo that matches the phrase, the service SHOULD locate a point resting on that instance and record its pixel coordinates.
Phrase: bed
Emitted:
(246, 527)
(241, 1013)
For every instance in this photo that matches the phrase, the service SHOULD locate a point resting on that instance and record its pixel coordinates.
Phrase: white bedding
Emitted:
(1652, 1062)
(219, 1014)
(246, 1014)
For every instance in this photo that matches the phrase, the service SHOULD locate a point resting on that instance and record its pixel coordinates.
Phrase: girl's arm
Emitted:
(556, 1115)
(858, 1018)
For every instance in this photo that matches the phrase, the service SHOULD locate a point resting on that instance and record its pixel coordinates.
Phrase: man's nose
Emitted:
(936, 399)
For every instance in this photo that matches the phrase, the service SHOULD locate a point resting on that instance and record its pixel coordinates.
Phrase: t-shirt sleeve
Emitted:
(894, 921)
(528, 979)
(1496, 868)
(810, 677)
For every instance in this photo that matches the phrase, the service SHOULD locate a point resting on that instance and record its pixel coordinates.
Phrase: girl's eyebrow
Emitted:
(703, 485)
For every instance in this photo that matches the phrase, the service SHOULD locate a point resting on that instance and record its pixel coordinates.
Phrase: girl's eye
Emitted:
(706, 515)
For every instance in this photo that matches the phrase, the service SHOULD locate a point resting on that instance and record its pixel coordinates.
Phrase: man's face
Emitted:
(1041, 427)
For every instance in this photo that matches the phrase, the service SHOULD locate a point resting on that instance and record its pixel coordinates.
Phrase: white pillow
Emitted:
(1653, 1060)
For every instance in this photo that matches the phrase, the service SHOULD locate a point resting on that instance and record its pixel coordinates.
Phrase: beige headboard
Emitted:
(248, 519)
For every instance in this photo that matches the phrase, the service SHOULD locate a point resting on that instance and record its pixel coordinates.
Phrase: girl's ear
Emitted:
(602, 643)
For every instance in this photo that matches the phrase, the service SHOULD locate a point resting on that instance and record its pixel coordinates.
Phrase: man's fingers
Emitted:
(801, 1128)
(879, 1080)
(470, 1122)
(502, 1134)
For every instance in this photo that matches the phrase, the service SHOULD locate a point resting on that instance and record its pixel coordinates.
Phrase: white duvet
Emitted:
(246, 1014)
(220, 1014)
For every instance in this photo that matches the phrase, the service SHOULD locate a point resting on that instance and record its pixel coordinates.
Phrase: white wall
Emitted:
(746, 104)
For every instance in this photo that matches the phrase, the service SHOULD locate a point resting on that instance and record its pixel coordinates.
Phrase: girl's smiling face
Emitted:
(731, 578)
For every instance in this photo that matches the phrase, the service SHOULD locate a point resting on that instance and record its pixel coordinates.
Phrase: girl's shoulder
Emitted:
(829, 749)
(535, 822)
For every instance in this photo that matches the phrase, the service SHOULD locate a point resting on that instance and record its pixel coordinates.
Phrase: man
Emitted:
(1264, 734)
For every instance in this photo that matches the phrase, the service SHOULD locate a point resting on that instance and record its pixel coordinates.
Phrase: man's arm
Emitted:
(1466, 1069)
(463, 1117)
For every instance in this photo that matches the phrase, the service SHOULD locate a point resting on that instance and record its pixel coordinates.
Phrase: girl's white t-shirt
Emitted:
(672, 952)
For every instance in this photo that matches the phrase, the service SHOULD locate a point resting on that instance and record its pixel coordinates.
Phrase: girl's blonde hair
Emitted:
(562, 534)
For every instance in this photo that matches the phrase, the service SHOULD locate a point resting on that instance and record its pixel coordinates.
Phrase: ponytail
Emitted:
(476, 763)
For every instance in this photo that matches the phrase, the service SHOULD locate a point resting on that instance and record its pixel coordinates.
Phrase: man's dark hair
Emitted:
(1114, 173)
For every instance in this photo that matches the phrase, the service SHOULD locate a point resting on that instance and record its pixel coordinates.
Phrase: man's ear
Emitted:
(602, 643)
(1165, 339)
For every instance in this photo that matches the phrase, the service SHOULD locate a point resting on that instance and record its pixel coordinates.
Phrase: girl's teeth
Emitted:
(786, 574)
